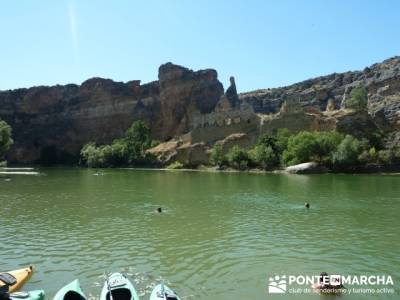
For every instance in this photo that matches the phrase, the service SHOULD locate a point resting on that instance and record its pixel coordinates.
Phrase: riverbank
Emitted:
(372, 169)
(212, 169)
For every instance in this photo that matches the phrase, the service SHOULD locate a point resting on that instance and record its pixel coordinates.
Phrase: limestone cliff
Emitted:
(191, 111)
(328, 92)
(53, 123)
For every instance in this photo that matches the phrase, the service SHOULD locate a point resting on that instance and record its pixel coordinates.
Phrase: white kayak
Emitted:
(162, 292)
(118, 287)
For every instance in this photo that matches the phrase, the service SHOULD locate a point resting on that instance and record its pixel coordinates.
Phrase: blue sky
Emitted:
(262, 43)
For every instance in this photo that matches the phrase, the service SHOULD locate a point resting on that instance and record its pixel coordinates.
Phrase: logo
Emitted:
(335, 280)
(333, 284)
(277, 285)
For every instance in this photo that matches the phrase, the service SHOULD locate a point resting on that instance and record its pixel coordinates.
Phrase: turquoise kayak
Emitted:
(72, 291)
(118, 287)
(32, 295)
(162, 292)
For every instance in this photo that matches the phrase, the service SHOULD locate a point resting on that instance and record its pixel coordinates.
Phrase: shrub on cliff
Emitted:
(358, 99)
(5, 138)
(238, 158)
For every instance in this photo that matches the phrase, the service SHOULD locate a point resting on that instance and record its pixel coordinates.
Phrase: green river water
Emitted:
(221, 235)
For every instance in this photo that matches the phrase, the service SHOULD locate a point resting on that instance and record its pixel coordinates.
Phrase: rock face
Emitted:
(183, 93)
(189, 111)
(328, 92)
(185, 152)
(50, 124)
(242, 140)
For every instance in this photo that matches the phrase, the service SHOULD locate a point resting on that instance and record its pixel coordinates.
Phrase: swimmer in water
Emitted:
(324, 285)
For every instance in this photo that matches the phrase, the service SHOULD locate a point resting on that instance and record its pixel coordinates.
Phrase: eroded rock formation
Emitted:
(382, 81)
(189, 111)
(53, 123)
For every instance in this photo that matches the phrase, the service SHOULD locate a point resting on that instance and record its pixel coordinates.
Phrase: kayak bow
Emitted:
(72, 291)
(162, 292)
(21, 276)
(118, 287)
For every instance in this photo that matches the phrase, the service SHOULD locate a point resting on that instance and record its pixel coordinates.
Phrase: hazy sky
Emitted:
(262, 43)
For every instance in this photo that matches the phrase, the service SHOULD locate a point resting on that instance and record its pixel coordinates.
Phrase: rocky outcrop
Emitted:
(189, 154)
(297, 118)
(195, 154)
(242, 140)
(50, 124)
(189, 112)
(306, 168)
(382, 81)
(183, 93)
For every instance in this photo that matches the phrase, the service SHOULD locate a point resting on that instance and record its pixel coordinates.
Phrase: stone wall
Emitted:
(217, 125)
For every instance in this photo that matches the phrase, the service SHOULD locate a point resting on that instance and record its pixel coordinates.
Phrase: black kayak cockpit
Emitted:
(120, 294)
(72, 295)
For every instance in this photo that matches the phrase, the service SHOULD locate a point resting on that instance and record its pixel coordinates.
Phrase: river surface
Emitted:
(221, 235)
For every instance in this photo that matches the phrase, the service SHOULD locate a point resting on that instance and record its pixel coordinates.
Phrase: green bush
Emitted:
(358, 99)
(130, 150)
(238, 158)
(311, 146)
(327, 143)
(264, 157)
(137, 140)
(302, 147)
(268, 141)
(349, 152)
(5, 138)
(282, 140)
(385, 157)
(217, 157)
(91, 155)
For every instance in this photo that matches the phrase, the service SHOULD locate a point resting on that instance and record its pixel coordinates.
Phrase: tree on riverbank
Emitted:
(5, 138)
(330, 149)
(127, 151)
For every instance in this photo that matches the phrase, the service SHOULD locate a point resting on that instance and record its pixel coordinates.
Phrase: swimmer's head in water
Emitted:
(307, 205)
(159, 209)
(323, 277)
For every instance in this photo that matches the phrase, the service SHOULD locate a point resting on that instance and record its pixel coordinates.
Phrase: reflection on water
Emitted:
(220, 235)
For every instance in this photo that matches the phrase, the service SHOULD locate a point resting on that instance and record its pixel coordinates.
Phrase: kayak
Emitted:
(120, 287)
(19, 276)
(32, 295)
(72, 291)
(161, 291)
